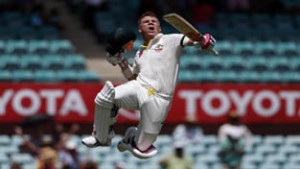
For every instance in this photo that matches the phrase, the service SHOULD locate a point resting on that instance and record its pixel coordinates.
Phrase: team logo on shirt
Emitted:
(159, 47)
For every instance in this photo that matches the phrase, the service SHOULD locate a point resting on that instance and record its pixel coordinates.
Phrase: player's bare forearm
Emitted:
(127, 70)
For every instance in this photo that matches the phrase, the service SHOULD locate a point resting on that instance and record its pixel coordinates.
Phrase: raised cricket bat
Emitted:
(185, 27)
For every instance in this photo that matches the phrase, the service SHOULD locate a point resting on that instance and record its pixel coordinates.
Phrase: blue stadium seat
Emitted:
(10, 62)
(40, 47)
(294, 63)
(22, 76)
(244, 48)
(31, 62)
(278, 64)
(53, 62)
(62, 47)
(45, 76)
(212, 63)
(87, 76)
(248, 76)
(74, 62)
(66, 76)
(235, 63)
(265, 48)
(257, 63)
(226, 76)
(290, 77)
(225, 47)
(16, 47)
(5, 76)
(287, 48)
(270, 77)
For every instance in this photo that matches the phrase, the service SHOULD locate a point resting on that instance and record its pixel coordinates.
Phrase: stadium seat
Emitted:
(45, 76)
(87, 76)
(186, 76)
(16, 47)
(226, 76)
(279, 159)
(62, 47)
(270, 77)
(22, 158)
(74, 62)
(266, 149)
(288, 149)
(225, 47)
(10, 62)
(235, 63)
(5, 76)
(255, 159)
(4, 140)
(40, 47)
(212, 63)
(4, 158)
(294, 63)
(244, 48)
(53, 62)
(2, 47)
(279, 64)
(291, 166)
(208, 158)
(66, 76)
(269, 166)
(9, 149)
(203, 76)
(22, 76)
(248, 76)
(287, 49)
(257, 63)
(48, 33)
(31, 62)
(265, 48)
(276, 140)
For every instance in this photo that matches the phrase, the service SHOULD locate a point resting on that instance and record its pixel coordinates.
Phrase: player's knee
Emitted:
(106, 96)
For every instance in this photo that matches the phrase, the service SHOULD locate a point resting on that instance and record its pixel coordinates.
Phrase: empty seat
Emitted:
(212, 63)
(270, 77)
(75, 62)
(31, 62)
(66, 76)
(16, 47)
(294, 63)
(61, 47)
(10, 62)
(186, 76)
(276, 140)
(53, 62)
(39, 47)
(288, 149)
(225, 47)
(87, 76)
(266, 149)
(255, 159)
(257, 63)
(226, 76)
(266, 48)
(287, 49)
(244, 48)
(22, 76)
(22, 158)
(235, 63)
(248, 76)
(5, 76)
(278, 64)
(45, 76)
(203, 76)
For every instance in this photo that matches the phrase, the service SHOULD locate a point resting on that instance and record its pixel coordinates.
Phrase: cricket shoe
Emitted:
(128, 144)
(92, 141)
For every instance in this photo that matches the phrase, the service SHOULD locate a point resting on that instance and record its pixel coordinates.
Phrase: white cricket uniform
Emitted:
(152, 91)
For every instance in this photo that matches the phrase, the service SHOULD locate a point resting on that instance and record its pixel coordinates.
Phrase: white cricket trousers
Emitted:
(153, 106)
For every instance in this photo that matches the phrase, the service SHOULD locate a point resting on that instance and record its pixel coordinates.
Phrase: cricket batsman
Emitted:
(150, 89)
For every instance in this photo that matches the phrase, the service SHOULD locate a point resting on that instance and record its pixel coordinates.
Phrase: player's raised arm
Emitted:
(120, 42)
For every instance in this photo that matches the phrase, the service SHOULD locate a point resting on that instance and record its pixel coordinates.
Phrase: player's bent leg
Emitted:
(142, 149)
(104, 118)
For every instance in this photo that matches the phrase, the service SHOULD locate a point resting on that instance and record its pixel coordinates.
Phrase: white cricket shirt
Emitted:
(157, 65)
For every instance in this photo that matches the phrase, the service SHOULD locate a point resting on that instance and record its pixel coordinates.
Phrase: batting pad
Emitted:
(104, 116)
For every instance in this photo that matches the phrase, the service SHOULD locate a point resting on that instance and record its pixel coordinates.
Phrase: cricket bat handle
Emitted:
(213, 51)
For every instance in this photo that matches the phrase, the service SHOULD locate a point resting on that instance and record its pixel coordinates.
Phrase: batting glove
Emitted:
(116, 58)
(208, 43)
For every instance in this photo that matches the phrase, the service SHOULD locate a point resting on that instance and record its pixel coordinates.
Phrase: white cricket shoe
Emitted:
(92, 141)
(128, 144)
